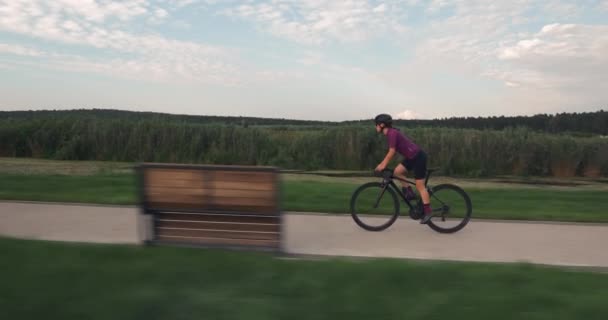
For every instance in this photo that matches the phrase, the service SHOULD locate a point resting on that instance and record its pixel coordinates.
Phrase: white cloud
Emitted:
(472, 44)
(276, 76)
(182, 3)
(97, 11)
(319, 22)
(185, 3)
(71, 26)
(516, 51)
(161, 13)
(380, 8)
(458, 50)
(311, 58)
(408, 114)
(19, 50)
(559, 56)
(85, 23)
(478, 33)
(562, 10)
(437, 5)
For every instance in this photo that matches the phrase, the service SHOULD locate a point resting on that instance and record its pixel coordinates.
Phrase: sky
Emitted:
(308, 59)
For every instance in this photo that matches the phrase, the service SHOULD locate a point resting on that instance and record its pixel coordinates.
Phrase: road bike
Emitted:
(375, 206)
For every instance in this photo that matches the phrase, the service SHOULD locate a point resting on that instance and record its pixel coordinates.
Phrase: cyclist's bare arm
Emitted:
(389, 155)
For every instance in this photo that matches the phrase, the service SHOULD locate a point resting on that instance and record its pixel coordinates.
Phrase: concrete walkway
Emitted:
(336, 235)
(70, 222)
(542, 243)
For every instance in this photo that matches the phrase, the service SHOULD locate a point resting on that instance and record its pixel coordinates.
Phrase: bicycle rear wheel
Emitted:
(374, 207)
(451, 208)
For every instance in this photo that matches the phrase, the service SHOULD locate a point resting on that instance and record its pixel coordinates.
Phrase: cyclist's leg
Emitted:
(424, 194)
(420, 175)
(400, 172)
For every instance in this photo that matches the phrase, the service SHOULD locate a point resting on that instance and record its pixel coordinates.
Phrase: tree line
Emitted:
(471, 152)
(579, 124)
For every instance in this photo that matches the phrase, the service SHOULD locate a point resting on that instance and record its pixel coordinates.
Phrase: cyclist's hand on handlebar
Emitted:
(383, 173)
(380, 168)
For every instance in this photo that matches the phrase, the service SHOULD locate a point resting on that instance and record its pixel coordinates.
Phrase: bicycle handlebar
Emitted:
(386, 173)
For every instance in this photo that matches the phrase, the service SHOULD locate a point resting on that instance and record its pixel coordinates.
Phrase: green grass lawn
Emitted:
(49, 280)
(102, 189)
(560, 204)
(507, 203)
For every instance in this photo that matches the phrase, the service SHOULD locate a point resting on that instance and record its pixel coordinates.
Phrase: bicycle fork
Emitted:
(380, 196)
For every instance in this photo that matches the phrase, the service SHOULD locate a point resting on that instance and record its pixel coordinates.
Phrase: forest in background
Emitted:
(542, 145)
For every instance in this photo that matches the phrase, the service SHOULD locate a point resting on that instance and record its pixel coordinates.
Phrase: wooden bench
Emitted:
(227, 206)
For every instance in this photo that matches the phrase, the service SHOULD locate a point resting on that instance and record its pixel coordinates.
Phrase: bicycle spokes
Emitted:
(379, 197)
(374, 206)
(449, 208)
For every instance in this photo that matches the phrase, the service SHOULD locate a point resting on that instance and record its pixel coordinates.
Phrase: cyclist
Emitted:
(415, 159)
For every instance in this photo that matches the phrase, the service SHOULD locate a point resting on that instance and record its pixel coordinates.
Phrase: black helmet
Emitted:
(384, 118)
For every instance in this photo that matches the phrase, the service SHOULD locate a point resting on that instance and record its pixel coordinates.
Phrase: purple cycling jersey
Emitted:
(401, 143)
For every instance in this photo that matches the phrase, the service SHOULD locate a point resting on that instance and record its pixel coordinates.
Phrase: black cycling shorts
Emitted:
(417, 164)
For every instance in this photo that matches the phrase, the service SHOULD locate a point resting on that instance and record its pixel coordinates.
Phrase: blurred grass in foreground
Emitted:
(47, 280)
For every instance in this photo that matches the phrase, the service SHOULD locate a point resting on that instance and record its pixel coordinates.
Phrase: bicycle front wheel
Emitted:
(374, 207)
(451, 208)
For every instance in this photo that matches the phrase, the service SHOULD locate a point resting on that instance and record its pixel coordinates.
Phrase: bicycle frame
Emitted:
(389, 181)
(391, 184)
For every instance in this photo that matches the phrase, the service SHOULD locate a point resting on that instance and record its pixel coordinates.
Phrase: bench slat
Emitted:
(245, 235)
(237, 226)
(218, 218)
(220, 241)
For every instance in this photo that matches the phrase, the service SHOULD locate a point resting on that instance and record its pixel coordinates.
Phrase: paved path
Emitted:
(336, 235)
(82, 223)
(543, 243)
